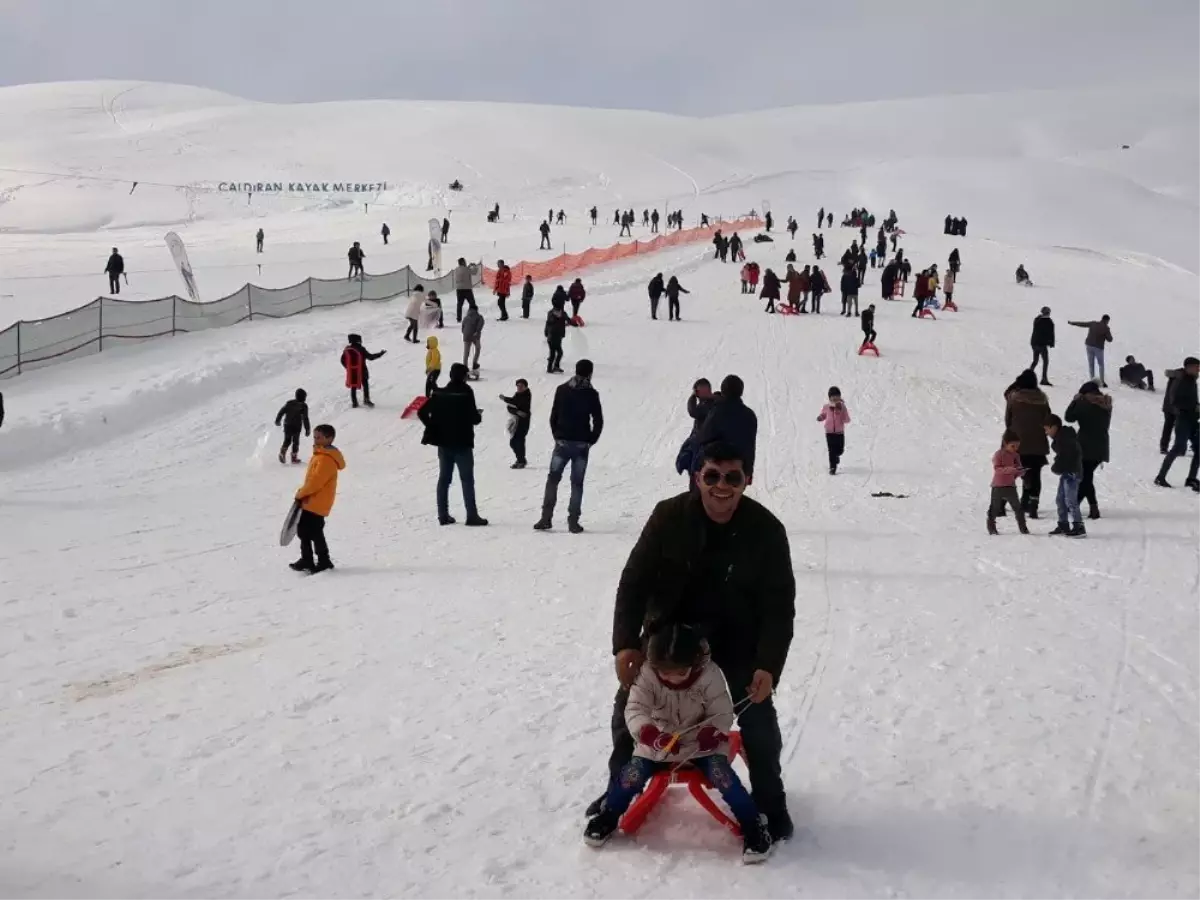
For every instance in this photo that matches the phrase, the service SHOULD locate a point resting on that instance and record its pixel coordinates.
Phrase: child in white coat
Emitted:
(413, 313)
(679, 711)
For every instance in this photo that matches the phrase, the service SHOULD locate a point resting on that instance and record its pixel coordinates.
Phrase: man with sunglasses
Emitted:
(720, 562)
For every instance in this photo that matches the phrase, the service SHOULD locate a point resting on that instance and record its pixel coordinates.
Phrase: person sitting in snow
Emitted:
(679, 711)
(1135, 375)
(1023, 276)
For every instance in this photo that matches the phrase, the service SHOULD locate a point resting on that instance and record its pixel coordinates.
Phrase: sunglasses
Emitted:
(713, 477)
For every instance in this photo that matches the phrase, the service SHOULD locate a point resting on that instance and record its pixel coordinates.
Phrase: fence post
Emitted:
(174, 304)
(310, 300)
(18, 346)
(361, 278)
(635, 248)
(250, 302)
(101, 301)
(407, 281)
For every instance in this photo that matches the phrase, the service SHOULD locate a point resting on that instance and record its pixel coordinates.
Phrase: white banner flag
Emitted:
(179, 254)
(435, 246)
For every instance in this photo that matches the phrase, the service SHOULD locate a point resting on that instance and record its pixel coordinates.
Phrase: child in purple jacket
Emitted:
(836, 417)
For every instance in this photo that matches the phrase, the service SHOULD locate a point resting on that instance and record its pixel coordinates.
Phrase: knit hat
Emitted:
(1089, 387)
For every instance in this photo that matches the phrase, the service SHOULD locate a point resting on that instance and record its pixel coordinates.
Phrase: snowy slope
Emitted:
(962, 715)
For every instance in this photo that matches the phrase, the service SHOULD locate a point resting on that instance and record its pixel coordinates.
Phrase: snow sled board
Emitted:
(578, 322)
(412, 408)
(289, 524)
(786, 310)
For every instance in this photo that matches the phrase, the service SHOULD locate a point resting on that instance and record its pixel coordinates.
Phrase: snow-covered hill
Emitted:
(962, 715)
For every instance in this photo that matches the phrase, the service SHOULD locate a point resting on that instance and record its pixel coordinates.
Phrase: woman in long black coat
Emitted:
(1092, 409)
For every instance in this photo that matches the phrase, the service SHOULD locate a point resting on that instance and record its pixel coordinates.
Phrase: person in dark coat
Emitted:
(1186, 406)
(445, 230)
(355, 256)
(770, 290)
(819, 285)
(1133, 374)
(1025, 412)
(947, 226)
(354, 360)
(385, 232)
(526, 296)
(576, 293)
(849, 292)
(557, 321)
(1041, 340)
(544, 229)
(115, 268)
(868, 325)
(576, 421)
(732, 422)
(293, 416)
(887, 282)
(1068, 466)
(259, 237)
(1168, 409)
(720, 562)
(1093, 411)
(450, 417)
(955, 262)
(699, 404)
(674, 289)
(519, 409)
(655, 289)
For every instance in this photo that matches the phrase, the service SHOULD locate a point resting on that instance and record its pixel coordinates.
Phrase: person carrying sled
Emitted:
(316, 496)
(674, 289)
(679, 710)
(354, 361)
(293, 415)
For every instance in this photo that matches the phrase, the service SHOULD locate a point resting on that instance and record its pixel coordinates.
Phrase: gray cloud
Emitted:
(698, 57)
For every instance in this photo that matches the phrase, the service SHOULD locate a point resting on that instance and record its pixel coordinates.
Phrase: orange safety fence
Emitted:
(599, 256)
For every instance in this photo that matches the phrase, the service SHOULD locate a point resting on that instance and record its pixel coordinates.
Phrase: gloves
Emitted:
(709, 739)
(659, 740)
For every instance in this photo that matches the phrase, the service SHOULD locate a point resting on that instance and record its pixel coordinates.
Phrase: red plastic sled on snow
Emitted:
(785, 310)
(697, 785)
(578, 322)
(412, 408)
(868, 347)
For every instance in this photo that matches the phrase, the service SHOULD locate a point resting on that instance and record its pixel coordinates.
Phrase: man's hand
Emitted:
(760, 686)
(629, 663)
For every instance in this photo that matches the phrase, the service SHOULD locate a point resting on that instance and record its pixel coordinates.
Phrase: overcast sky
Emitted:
(699, 57)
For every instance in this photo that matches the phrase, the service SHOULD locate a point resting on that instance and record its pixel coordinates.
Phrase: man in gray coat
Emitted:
(464, 283)
(472, 332)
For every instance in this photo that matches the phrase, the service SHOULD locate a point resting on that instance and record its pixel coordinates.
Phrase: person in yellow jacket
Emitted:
(316, 498)
(433, 364)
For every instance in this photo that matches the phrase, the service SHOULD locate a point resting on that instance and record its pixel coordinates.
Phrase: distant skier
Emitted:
(115, 268)
(258, 241)
(1041, 340)
(836, 417)
(385, 232)
(503, 287)
(576, 421)
(655, 289)
(526, 296)
(544, 229)
(674, 289)
(354, 361)
(316, 496)
(356, 256)
(450, 417)
(519, 409)
(293, 415)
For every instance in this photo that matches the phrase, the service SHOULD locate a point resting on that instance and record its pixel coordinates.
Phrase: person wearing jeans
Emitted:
(1068, 466)
(1098, 334)
(450, 417)
(1186, 406)
(576, 420)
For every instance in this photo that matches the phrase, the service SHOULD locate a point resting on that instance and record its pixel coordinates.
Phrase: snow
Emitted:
(962, 715)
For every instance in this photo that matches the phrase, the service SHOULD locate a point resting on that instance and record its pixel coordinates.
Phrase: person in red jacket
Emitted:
(920, 292)
(354, 361)
(576, 294)
(503, 288)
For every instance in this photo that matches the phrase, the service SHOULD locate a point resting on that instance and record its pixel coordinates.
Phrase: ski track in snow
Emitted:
(961, 715)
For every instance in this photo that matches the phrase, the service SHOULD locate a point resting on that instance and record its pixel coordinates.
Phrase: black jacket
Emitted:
(527, 291)
(868, 320)
(1093, 412)
(889, 276)
(734, 423)
(576, 414)
(1043, 332)
(557, 321)
(699, 408)
(1068, 459)
(1173, 376)
(116, 264)
(849, 282)
(1184, 397)
(519, 405)
(674, 289)
(450, 417)
(355, 255)
(294, 416)
(747, 611)
(655, 287)
(1132, 372)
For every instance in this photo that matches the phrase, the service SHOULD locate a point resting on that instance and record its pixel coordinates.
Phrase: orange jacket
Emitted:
(320, 481)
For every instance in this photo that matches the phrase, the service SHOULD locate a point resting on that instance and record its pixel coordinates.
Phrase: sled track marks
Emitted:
(116, 684)
(816, 674)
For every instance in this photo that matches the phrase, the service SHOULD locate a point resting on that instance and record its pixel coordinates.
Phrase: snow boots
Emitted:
(1075, 531)
(756, 841)
(602, 826)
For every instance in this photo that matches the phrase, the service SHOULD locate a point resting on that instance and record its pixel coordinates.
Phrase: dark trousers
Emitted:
(517, 442)
(761, 741)
(449, 459)
(114, 283)
(555, 359)
(574, 453)
(770, 307)
(311, 531)
(1042, 353)
(1168, 430)
(672, 307)
(258, 245)
(816, 298)
(292, 439)
(836, 444)
(462, 295)
(1031, 481)
(431, 379)
(410, 333)
(502, 302)
(653, 307)
(917, 309)
(355, 269)
(716, 768)
(1185, 433)
(385, 237)
(1002, 495)
(868, 337)
(545, 245)
(1087, 488)
(575, 304)
(366, 389)
(525, 301)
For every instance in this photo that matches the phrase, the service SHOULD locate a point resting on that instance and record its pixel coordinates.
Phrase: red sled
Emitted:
(697, 785)
(926, 313)
(412, 408)
(950, 305)
(578, 322)
(786, 310)
(868, 347)
(897, 290)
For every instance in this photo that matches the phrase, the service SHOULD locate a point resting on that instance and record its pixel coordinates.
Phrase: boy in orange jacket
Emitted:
(316, 498)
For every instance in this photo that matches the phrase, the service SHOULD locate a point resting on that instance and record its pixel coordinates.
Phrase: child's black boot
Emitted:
(602, 826)
(756, 841)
